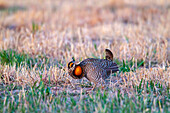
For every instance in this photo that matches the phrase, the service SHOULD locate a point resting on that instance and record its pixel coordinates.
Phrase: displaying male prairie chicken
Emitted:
(93, 69)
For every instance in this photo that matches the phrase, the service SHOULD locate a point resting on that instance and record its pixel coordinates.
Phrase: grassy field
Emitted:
(38, 38)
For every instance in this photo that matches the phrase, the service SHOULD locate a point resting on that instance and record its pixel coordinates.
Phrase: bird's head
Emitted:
(74, 70)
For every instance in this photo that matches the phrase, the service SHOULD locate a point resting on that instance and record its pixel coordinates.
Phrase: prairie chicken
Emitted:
(93, 69)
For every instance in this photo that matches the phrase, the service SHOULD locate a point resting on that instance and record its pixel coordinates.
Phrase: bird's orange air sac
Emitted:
(78, 71)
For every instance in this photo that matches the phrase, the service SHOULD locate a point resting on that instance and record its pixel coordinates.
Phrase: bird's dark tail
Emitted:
(109, 54)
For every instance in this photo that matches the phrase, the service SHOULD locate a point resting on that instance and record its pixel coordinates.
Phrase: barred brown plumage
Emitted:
(93, 69)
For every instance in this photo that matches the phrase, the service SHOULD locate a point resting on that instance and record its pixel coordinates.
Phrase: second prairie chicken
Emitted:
(93, 69)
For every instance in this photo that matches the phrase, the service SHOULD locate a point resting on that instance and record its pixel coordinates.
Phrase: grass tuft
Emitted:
(12, 57)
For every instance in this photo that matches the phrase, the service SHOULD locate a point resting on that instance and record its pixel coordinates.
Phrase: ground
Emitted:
(38, 38)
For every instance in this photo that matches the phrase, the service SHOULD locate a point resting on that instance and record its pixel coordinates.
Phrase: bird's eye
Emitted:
(71, 64)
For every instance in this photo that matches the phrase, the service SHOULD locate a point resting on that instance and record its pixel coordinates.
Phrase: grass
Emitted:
(11, 57)
(37, 42)
(41, 99)
(148, 96)
(11, 9)
(131, 65)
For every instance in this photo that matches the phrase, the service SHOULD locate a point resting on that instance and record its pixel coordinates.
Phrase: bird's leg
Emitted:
(91, 89)
(102, 86)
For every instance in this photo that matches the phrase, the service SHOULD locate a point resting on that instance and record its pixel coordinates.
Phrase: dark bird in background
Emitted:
(95, 70)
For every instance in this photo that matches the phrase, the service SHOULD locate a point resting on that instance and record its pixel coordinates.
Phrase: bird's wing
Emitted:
(108, 66)
(94, 72)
